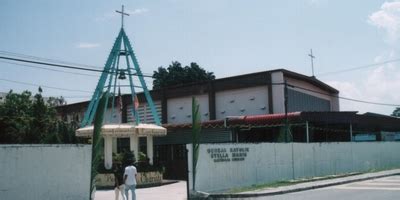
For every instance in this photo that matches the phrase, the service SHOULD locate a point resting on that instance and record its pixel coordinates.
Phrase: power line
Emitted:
(53, 60)
(51, 64)
(49, 69)
(63, 66)
(98, 70)
(346, 98)
(360, 67)
(44, 86)
(45, 59)
(58, 61)
(289, 85)
(55, 70)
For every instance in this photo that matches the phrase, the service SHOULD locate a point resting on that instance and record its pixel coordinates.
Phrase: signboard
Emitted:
(222, 154)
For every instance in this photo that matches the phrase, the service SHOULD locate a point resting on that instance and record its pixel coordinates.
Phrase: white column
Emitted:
(114, 145)
(307, 132)
(134, 145)
(278, 93)
(150, 148)
(107, 152)
(190, 165)
(335, 106)
(351, 132)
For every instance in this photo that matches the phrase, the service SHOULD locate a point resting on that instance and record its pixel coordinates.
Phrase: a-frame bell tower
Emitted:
(112, 75)
(122, 50)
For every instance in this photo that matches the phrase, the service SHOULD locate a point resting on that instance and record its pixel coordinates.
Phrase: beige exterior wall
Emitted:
(180, 109)
(247, 101)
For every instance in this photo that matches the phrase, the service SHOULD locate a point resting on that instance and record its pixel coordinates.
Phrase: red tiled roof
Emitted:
(271, 119)
(233, 121)
(365, 121)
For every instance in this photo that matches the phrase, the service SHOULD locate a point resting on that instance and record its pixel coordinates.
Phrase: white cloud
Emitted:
(387, 19)
(315, 2)
(380, 84)
(84, 45)
(106, 17)
(138, 11)
(349, 90)
(383, 83)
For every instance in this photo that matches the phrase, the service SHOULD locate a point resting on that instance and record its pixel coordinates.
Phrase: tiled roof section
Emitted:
(239, 121)
(206, 124)
(271, 119)
(363, 122)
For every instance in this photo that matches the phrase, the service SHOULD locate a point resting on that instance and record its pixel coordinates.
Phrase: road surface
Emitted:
(387, 188)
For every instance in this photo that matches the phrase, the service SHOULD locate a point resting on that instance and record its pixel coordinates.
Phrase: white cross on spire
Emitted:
(312, 62)
(122, 15)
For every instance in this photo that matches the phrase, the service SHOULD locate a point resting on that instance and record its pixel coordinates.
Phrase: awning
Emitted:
(363, 121)
(124, 130)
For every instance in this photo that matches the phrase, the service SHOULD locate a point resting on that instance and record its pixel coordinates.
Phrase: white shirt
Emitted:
(131, 172)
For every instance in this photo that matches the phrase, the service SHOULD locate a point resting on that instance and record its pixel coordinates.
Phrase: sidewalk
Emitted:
(175, 191)
(304, 186)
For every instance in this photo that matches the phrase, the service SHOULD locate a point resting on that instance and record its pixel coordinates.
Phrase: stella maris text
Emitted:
(223, 155)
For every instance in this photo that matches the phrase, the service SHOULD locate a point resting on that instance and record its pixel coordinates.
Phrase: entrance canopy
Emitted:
(124, 130)
(131, 131)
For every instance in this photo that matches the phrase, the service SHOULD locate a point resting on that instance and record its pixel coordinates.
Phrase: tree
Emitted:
(175, 74)
(56, 101)
(27, 119)
(396, 112)
(15, 115)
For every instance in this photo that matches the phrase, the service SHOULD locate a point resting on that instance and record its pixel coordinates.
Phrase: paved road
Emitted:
(376, 189)
(176, 191)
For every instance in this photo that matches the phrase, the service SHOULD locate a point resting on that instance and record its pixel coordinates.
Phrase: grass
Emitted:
(261, 186)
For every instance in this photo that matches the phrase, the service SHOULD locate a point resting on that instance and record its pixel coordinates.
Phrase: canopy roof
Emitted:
(365, 121)
(124, 130)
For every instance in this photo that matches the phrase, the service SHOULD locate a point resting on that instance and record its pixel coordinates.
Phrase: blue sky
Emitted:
(228, 37)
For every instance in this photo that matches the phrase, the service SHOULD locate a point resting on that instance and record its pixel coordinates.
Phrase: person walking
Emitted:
(130, 180)
(119, 186)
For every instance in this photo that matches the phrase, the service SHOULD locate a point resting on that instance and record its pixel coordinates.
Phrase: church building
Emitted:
(260, 93)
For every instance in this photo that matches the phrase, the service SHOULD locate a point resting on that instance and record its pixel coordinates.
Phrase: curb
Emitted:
(272, 193)
(140, 186)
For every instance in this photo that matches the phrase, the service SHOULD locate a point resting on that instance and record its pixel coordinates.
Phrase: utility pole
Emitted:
(286, 113)
(312, 62)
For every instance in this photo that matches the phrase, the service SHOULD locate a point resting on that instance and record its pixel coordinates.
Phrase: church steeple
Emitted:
(122, 15)
(113, 70)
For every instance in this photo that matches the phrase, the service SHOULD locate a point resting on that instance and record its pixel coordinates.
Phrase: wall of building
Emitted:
(247, 101)
(251, 94)
(218, 169)
(299, 101)
(180, 109)
(185, 136)
(278, 94)
(144, 112)
(319, 93)
(112, 116)
(45, 171)
(76, 116)
(3, 96)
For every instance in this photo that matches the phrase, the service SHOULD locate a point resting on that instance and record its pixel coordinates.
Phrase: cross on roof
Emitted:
(122, 15)
(312, 62)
